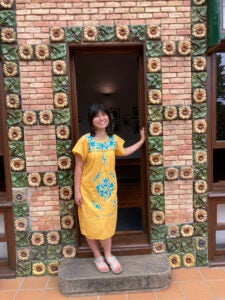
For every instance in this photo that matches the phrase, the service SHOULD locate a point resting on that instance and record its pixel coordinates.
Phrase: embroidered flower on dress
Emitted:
(69, 251)
(46, 117)
(64, 162)
(200, 187)
(174, 260)
(187, 230)
(170, 113)
(155, 159)
(23, 254)
(171, 173)
(169, 48)
(53, 238)
(26, 52)
(42, 52)
(122, 32)
(188, 260)
(186, 172)
(200, 126)
(17, 164)
(67, 222)
(90, 33)
(29, 117)
(34, 179)
(57, 34)
(37, 239)
(199, 95)
(184, 47)
(155, 128)
(53, 268)
(65, 193)
(49, 179)
(154, 64)
(155, 96)
(62, 132)
(157, 188)
(159, 247)
(184, 112)
(173, 231)
(59, 67)
(60, 100)
(158, 217)
(105, 188)
(12, 101)
(38, 269)
(153, 32)
(21, 224)
(8, 35)
(199, 63)
(6, 3)
(199, 31)
(200, 215)
(200, 157)
(10, 69)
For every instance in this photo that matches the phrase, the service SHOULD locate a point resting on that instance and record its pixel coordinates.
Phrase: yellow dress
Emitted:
(98, 212)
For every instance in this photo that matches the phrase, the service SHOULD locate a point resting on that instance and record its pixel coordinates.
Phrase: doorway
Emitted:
(114, 76)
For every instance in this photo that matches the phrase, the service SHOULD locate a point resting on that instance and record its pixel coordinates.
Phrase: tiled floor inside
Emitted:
(187, 284)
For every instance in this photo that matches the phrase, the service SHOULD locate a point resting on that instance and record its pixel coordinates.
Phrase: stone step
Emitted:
(140, 272)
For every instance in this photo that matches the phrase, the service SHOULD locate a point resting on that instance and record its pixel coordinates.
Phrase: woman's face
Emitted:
(100, 121)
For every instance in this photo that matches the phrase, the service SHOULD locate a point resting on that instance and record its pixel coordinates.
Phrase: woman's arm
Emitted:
(131, 149)
(77, 178)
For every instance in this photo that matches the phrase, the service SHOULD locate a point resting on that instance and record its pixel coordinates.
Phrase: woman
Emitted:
(96, 185)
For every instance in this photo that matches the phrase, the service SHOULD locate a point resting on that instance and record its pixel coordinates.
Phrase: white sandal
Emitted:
(101, 265)
(113, 263)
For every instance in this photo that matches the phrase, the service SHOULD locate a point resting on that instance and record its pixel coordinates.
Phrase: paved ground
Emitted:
(187, 284)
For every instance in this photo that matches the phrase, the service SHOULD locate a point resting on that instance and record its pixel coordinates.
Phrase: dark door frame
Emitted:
(129, 242)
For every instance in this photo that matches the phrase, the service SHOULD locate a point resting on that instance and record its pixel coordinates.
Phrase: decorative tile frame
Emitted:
(39, 253)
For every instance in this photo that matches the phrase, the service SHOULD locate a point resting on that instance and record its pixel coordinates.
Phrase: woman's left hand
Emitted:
(142, 134)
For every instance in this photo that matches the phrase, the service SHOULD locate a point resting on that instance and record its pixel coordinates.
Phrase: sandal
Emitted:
(115, 266)
(101, 265)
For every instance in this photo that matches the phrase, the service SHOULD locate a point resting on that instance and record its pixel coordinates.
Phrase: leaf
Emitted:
(74, 34)
(12, 85)
(200, 201)
(198, 14)
(157, 203)
(202, 259)
(199, 111)
(21, 210)
(62, 116)
(19, 179)
(153, 48)
(64, 148)
(155, 144)
(200, 229)
(8, 18)
(200, 172)
(54, 252)
(138, 32)
(16, 149)
(154, 81)
(58, 51)
(9, 52)
(23, 269)
(14, 117)
(155, 112)
(38, 253)
(60, 84)
(156, 173)
(106, 33)
(199, 80)
(22, 238)
(187, 244)
(67, 208)
(173, 246)
(199, 47)
(68, 236)
(199, 141)
(158, 232)
(65, 178)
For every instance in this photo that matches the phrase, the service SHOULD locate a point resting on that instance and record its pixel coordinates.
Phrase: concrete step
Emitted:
(140, 272)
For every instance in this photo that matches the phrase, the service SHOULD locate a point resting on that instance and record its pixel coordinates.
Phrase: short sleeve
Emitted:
(81, 147)
(119, 146)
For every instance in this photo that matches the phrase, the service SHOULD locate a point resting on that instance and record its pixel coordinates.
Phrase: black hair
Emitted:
(93, 111)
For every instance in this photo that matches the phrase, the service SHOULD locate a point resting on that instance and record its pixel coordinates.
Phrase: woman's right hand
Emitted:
(78, 199)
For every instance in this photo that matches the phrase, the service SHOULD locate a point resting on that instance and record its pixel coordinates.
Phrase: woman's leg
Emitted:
(99, 260)
(93, 244)
(112, 261)
(107, 246)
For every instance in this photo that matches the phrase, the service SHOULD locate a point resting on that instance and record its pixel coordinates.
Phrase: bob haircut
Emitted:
(93, 111)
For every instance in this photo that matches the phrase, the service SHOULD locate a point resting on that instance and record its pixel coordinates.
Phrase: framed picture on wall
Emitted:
(114, 113)
(115, 126)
